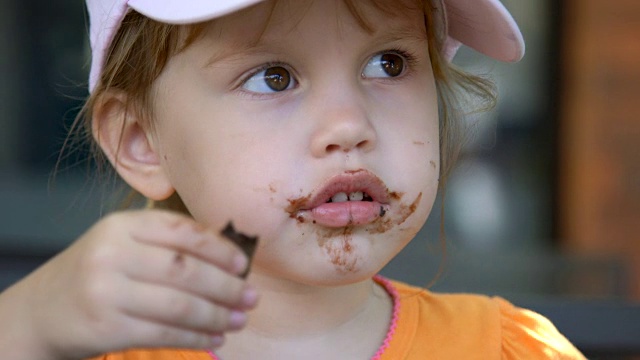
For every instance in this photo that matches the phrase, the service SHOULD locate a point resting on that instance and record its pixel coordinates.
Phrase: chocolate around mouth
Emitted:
(372, 188)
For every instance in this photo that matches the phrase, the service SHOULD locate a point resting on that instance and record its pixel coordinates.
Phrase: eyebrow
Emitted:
(401, 34)
(259, 46)
(236, 47)
(239, 50)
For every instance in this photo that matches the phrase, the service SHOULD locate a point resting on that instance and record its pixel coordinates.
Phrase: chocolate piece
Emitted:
(246, 243)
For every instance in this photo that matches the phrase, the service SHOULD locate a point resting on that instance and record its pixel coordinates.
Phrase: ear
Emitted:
(128, 144)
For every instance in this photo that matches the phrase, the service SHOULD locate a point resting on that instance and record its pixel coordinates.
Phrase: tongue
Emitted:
(346, 213)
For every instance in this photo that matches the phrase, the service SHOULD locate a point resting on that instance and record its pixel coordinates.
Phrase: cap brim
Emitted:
(485, 26)
(175, 11)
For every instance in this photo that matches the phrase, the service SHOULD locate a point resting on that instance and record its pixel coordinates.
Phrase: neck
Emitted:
(293, 319)
(289, 309)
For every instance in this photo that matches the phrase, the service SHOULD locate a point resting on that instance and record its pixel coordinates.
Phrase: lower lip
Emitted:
(347, 213)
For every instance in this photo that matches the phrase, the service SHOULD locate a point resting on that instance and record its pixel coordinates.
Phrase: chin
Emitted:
(329, 270)
(336, 277)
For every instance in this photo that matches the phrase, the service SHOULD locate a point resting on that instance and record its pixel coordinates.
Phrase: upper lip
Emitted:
(347, 182)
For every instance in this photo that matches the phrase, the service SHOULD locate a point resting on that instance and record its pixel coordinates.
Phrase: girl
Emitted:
(311, 124)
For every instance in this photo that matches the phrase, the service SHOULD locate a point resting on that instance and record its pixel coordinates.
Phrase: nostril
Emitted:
(332, 148)
(362, 144)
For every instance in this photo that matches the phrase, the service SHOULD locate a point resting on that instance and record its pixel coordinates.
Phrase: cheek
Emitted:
(415, 143)
(411, 111)
(410, 129)
(223, 176)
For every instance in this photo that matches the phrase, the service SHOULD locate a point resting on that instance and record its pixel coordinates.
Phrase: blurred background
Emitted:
(544, 207)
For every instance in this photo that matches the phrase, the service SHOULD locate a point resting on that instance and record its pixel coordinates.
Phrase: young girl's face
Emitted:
(275, 111)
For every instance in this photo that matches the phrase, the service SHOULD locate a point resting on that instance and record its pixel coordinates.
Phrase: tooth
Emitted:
(339, 197)
(356, 196)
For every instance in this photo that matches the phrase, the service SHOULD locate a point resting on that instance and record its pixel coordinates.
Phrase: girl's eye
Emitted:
(269, 80)
(384, 65)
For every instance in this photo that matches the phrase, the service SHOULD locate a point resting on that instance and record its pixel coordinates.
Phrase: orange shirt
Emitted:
(441, 326)
(464, 326)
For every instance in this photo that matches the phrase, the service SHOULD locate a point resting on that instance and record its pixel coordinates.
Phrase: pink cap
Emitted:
(484, 25)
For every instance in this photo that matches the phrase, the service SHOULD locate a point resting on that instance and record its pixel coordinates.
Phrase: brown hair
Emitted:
(142, 47)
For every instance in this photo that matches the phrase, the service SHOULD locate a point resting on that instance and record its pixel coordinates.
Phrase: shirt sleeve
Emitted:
(102, 357)
(529, 335)
(156, 354)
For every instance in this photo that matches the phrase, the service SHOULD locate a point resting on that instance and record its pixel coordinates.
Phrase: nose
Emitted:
(342, 126)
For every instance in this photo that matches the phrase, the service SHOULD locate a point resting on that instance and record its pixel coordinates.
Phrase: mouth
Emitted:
(351, 198)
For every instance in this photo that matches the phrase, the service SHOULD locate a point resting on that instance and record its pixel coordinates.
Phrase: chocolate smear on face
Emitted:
(246, 243)
(295, 204)
(386, 223)
(341, 251)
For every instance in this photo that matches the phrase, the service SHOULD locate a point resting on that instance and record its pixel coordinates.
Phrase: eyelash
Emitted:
(264, 67)
(244, 78)
(410, 58)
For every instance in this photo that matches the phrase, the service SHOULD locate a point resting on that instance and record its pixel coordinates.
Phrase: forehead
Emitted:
(275, 20)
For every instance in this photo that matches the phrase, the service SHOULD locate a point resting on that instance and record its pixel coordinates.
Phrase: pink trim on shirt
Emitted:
(395, 298)
(391, 290)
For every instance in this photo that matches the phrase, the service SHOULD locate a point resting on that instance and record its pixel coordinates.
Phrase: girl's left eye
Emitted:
(270, 80)
(385, 65)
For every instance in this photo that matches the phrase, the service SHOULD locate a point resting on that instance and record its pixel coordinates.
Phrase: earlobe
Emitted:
(128, 144)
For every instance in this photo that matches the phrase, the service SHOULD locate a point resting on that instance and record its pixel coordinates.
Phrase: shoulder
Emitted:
(489, 325)
(527, 332)
(468, 311)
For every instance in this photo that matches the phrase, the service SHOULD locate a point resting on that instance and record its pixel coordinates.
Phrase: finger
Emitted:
(178, 232)
(178, 309)
(178, 270)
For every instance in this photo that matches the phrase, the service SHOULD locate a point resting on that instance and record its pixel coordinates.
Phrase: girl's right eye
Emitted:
(270, 80)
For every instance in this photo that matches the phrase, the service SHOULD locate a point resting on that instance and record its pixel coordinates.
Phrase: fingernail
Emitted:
(237, 320)
(249, 297)
(240, 263)
(217, 341)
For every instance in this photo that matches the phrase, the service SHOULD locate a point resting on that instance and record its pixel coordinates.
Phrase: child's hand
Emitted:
(137, 279)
